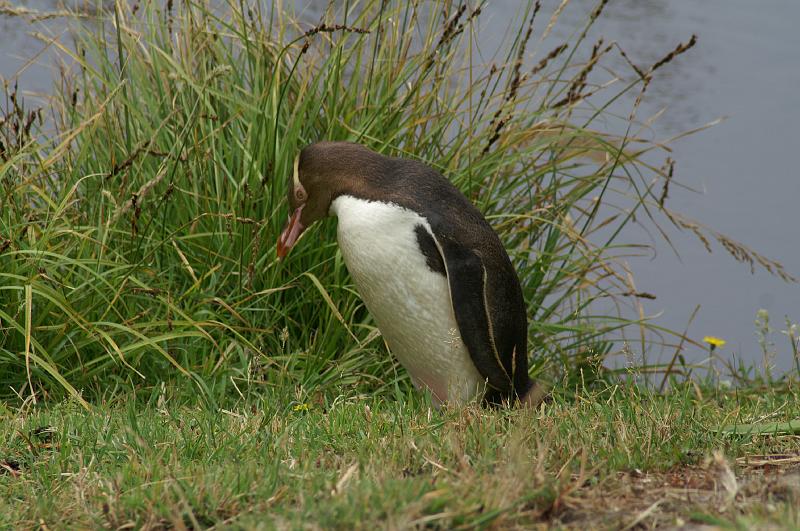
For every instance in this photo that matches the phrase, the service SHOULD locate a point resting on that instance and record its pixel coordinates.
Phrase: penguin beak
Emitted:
(291, 233)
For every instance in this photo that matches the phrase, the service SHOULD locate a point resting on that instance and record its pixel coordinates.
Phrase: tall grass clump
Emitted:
(138, 224)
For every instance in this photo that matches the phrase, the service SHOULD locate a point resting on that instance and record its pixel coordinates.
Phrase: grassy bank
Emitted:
(608, 459)
(137, 237)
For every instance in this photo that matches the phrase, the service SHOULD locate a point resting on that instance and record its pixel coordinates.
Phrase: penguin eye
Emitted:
(300, 194)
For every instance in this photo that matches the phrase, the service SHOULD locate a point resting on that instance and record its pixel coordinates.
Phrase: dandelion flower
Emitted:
(714, 342)
(301, 407)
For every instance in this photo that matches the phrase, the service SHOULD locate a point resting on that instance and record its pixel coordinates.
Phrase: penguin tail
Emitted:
(534, 396)
(531, 397)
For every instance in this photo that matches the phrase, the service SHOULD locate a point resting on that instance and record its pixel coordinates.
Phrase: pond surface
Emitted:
(745, 67)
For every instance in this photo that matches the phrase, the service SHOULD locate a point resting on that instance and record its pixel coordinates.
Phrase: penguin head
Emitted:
(322, 172)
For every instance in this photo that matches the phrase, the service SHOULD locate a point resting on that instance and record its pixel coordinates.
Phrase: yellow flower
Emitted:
(714, 342)
(301, 407)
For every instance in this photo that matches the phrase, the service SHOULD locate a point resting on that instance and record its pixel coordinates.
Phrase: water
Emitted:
(746, 67)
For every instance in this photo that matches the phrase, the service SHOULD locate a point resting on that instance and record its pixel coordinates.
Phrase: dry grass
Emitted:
(717, 491)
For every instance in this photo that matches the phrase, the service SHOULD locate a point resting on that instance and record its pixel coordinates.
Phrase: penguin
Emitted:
(430, 269)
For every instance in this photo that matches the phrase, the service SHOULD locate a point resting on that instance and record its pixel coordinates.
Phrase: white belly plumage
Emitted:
(409, 302)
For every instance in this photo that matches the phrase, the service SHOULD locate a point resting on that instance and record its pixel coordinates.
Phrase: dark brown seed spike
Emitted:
(681, 48)
(670, 164)
(555, 52)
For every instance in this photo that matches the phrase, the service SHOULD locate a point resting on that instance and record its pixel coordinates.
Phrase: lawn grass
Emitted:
(602, 459)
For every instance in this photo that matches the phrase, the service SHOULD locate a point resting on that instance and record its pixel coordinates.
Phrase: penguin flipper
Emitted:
(467, 279)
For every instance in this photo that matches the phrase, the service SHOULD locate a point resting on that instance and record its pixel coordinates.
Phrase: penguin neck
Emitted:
(362, 185)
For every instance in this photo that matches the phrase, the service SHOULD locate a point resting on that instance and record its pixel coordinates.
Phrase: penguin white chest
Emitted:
(409, 302)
